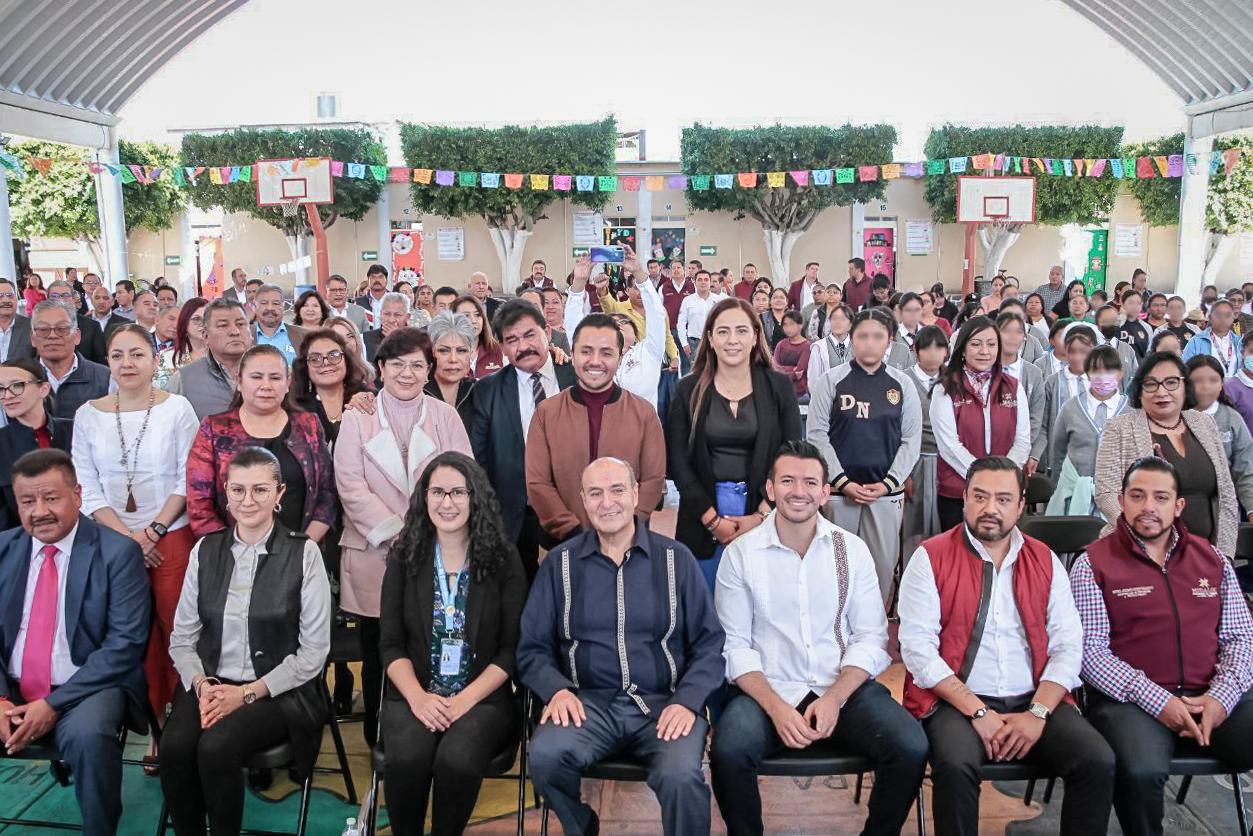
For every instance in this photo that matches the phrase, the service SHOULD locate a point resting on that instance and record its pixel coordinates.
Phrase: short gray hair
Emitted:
(222, 304)
(49, 305)
(270, 288)
(60, 283)
(447, 324)
(393, 296)
(164, 309)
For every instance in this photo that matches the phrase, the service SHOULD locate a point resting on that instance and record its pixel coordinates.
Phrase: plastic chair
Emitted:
(1039, 491)
(1064, 535)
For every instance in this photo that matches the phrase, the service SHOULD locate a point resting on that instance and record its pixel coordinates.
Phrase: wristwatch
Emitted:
(250, 696)
(980, 713)
(1039, 710)
(159, 528)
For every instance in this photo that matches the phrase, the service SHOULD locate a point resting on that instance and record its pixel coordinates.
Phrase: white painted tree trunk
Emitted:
(510, 246)
(1219, 248)
(298, 246)
(997, 240)
(779, 244)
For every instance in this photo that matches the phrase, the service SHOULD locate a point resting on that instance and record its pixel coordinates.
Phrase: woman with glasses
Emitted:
(24, 392)
(452, 345)
(1163, 422)
(251, 636)
(189, 337)
(451, 605)
(130, 451)
(379, 457)
(488, 356)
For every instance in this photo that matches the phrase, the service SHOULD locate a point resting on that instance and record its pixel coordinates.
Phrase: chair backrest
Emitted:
(1039, 489)
(1244, 541)
(1064, 535)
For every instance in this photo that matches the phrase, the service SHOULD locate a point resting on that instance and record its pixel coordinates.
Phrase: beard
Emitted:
(989, 535)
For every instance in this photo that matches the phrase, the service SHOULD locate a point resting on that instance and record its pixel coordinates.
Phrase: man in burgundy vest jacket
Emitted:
(1168, 645)
(992, 645)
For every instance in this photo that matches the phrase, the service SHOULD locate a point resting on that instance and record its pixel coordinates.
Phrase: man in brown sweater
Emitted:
(593, 419)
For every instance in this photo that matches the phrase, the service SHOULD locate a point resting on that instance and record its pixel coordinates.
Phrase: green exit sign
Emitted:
(575, 252)
(173, 260)
(708, 250)
(369, 255)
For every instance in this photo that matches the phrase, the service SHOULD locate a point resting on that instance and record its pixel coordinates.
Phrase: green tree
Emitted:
(353, 196)
(1228, 209)
(785, 213)
(1059, 200)
(510, 214)
(62, 203)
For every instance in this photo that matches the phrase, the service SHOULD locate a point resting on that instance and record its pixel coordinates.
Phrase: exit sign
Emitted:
(173, 260)
(708, 250)
(369, 255)
(576, 252)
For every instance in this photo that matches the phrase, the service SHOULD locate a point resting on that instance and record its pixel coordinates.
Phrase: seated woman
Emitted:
(451, 605)
(1077, 434)
(24, 392)
(251, 635)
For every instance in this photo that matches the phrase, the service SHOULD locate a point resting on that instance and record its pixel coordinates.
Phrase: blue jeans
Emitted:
(560, 754)
(685, 365)
(731, 500)
(666, 386)
(871, 724)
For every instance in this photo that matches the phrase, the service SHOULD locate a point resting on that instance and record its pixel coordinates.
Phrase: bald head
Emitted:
(610, 495)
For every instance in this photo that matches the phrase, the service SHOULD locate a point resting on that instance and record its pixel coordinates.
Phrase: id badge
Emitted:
(450, 657)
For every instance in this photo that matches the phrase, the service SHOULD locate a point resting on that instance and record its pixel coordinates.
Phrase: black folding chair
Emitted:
(1039, 491)
(278, 757)
(1066, 536)
(1189, 766)
(1013, 771)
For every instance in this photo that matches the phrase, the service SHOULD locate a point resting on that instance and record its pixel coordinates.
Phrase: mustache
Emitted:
(988, 518)
(527, 352)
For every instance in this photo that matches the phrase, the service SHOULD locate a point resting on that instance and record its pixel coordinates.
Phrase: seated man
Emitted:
(1168, 645)
(621, 641)
(802, 658)
(993, 644)
(79, 680)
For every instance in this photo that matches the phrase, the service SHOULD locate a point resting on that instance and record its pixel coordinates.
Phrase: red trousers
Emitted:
(167, 583)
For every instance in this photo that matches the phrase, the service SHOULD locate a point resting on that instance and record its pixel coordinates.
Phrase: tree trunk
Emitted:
(1219, 248)
(298, 246)
(509, 236)
(779, 244)
(996, 240)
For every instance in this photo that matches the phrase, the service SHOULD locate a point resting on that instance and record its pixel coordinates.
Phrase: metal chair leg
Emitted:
(1240, 812)
(522, 786)
(305, 792)
(857, 790)
(922, 811)
(1184, 785)
(1048, 790)
(1026, 797)
(543, 817)
(161, 822)
(373, 813)
(342, 756)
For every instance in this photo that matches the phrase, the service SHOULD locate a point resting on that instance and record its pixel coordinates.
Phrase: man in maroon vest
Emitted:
(1168, 645)
(992, 645)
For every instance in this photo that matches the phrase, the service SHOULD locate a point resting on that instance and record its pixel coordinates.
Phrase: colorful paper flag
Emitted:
(225, 173)
(1163, 164)
(539, 182)
(1097, 168)
(607, 183)
(723, 181)
(468, 179)
(957, 165)
(513, 181)
(747, 179)
(700, 182)
(1144, 167)
(356, 170)
(776, 179)
(676, 181)
(800, 177)
(935, 166)
(981, 162)
(215, 176)
(1215, 159)
(1193, 163)
(585, 183)
(824, 176)
(423, 176)
(398, 174)
(654, 182)
(1174, 165)
(1068, 167)
(379, 172)
(845, 175)
(562, 182)
(337, 168)
(245, 173)
(444, 177)
(490, 179)
(867, 173)
(629, 183)
(180, 177)
(891, 171)
(1230, 157)
(914, 169)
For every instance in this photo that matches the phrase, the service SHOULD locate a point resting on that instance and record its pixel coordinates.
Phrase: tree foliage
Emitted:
(1059, 200)
(707, 150)
(1229, 208)
(353, 197)
(62, 203)
(581, 148)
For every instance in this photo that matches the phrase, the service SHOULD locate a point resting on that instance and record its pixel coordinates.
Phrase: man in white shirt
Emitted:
(993, 645)
(806, 635)
(693, 312)
(237, 292)
(337, 301)
(14, 329)
(124, 294)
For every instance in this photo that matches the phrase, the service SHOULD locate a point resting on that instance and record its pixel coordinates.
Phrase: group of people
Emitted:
(188, 517)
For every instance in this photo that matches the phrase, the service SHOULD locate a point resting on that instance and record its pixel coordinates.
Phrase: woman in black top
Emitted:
(450, 613)
(730, 416)
(24, 391)
(772, 319)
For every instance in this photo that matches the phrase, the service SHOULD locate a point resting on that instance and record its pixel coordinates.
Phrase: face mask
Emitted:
(1109, 331)
(1103, 384)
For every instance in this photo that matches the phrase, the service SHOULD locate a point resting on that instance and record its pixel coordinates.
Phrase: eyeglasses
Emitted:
(260, 493)
(7, 294)
(1170, 384)
(458, 495)
(330, 358)
(61, 297)
(15, 388)
(43, 331)
(399, 366)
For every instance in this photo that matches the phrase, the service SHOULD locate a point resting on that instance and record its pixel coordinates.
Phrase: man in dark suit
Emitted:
(77, 680)
(503, 404)
(372, 301)
(481, 289)
(14, 328)
(102, 320)
(91, 345)
(393, 315)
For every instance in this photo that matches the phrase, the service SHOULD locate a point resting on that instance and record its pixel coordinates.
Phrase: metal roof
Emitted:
(83, 59)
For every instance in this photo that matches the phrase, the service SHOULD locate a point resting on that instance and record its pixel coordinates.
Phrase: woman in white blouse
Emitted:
(130, 450)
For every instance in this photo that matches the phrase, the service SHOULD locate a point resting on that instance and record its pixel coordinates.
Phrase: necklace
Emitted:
(130, 458)
(1171, 429)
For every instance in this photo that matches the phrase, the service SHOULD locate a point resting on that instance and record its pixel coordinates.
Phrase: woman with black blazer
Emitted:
(24, 391)
(730, 416)
(450, 612)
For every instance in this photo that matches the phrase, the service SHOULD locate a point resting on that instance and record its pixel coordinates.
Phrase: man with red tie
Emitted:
(74, 618)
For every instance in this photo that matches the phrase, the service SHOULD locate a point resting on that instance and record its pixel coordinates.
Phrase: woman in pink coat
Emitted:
(379, 458)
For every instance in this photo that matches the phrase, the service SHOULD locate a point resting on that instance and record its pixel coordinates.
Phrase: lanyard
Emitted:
(447, 588)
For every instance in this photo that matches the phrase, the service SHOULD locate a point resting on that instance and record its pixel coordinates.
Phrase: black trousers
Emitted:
(1143, 748)
(530, 538)
(951, 511)
(371, 677)
(1069, 746)
(202, 771)
(454, 761)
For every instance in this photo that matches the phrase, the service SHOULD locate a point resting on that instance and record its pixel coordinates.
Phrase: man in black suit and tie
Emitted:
(74, 618)
(481, 289)
(393, 314)
(504, 403)
(14, 328)
(372, 301)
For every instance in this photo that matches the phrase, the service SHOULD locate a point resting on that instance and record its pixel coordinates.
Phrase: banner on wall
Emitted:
(1098, 250)
(212, 275)
(879, 251)
(407, 256)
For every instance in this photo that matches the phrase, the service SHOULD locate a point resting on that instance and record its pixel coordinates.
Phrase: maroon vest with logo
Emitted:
(1163, 622)
(968, 410)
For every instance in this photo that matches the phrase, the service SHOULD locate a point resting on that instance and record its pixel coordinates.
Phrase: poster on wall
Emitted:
(407, 256)
(879, 251)
(588, 229)
(1128, 240)
(919, 236)
(668, 243)
(450, 243)
(212, 276)
(1098, 261)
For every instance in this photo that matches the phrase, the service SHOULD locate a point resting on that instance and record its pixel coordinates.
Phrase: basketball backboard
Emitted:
(993, 199)
(302, 181)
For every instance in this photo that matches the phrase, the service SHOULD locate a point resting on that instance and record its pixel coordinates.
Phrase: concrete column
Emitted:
(383, 208)
(858, 244)
(1192, 202)
(644, 225)
(112, 219)
(8, 269)
(187, 256)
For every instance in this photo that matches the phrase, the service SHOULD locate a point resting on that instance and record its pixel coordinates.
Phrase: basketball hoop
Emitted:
(290, 207)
